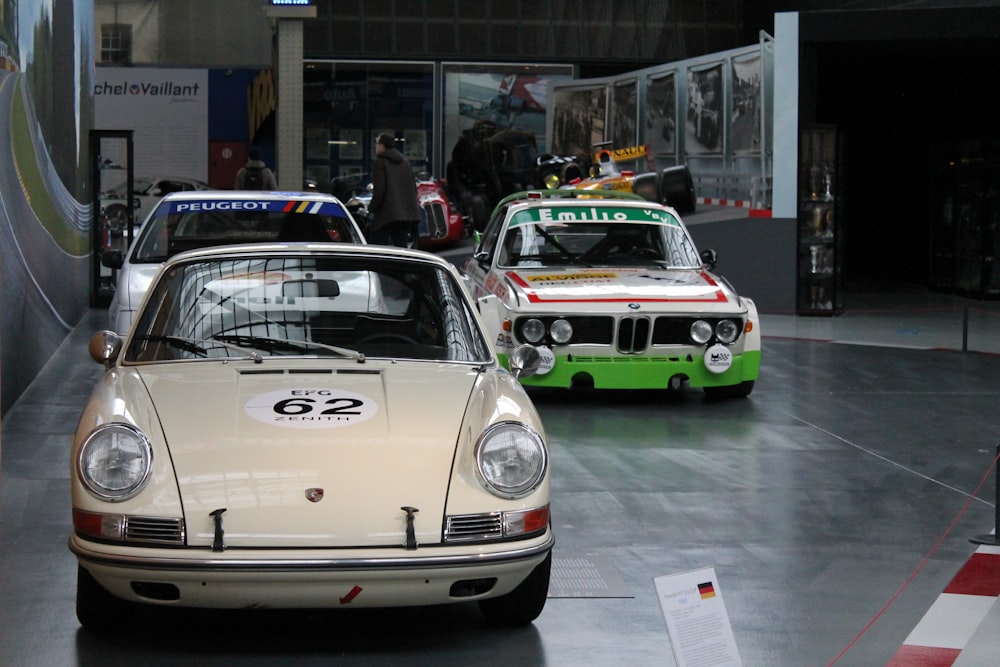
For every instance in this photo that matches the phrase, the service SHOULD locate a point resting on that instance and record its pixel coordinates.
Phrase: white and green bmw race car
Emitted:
(613, 292)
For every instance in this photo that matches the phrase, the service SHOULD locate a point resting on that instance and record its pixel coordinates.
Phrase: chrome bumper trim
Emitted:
(82, 551)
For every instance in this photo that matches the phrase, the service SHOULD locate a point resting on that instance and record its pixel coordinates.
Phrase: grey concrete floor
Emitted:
(846, 474)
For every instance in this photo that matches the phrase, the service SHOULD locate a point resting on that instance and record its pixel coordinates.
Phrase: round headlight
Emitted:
(511, 459)
(551, 181)
(533, 330)
(701, 332)
(114, 461)
(561, 331)
(726, 331)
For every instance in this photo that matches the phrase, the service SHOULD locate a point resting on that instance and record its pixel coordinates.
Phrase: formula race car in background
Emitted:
(672, 186)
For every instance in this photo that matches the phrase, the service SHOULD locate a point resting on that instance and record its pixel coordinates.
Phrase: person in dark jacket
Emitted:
(394, 206)
(255, 175)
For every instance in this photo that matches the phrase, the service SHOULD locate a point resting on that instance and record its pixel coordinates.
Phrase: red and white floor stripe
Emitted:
(949, 625)
(736, 203)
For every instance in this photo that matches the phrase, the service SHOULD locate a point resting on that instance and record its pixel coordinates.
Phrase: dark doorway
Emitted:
(916, 114)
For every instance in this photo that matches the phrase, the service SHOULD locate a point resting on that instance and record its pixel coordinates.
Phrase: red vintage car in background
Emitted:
(441, 223)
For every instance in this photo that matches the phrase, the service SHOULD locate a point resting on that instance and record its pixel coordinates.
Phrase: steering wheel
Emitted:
(393, 337)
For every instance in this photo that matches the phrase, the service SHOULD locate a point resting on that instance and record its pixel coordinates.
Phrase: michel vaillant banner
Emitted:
(167, 109)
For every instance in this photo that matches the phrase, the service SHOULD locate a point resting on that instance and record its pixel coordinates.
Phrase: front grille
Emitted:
(633, 334)
(473, 527)
(437, 223)
(154, 529)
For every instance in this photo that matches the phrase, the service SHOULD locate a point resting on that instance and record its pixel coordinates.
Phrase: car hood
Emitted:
(304, 454)
(609, 288)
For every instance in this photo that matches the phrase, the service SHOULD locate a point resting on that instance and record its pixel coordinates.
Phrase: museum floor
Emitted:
(836, 506)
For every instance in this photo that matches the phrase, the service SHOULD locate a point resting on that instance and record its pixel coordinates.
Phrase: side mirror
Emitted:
(113, 259)
(709, 258)
(524, 361)
(104, 347)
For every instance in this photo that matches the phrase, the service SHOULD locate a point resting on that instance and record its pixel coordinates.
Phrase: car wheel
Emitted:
(741, 390)
(523, 604)
(97, 609)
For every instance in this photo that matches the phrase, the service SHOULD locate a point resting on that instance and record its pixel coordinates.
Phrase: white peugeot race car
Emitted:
(308, 425)
(612, 291)
(188, 220)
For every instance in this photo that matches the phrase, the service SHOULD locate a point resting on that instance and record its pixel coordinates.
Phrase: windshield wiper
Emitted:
(200, 347)
(271, 344)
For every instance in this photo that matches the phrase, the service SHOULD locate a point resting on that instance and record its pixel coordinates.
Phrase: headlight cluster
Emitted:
(534, 331)
(510, 459)
(114, 462)
(725, 331)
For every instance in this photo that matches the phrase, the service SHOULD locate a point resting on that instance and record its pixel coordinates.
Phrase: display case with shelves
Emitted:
(820, 239)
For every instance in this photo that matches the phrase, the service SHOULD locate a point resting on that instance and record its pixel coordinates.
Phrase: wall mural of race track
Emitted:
(45, 230)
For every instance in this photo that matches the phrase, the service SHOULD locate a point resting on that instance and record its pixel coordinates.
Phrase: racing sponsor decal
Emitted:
(622, 286)
(564, 214)
(311, 408)
(718, 358)
(557, 277)
(273, 205)
(630, 153)
(504, 341)
(547, 360)
(495, 286)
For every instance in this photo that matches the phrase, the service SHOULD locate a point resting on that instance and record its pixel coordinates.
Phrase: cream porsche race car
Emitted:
(613, 292)
(308, 425)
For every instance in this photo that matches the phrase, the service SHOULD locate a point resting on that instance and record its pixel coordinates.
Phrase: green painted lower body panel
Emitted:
(644, 371)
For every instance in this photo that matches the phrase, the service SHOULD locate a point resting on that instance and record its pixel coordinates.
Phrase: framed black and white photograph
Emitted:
(704, 110)
(745, 134)
(580, 115)
(661, 113)
(624, 112)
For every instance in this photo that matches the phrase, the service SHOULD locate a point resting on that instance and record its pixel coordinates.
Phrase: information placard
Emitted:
(696, 618)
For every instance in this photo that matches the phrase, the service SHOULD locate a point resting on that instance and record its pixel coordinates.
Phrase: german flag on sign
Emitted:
(707, 590)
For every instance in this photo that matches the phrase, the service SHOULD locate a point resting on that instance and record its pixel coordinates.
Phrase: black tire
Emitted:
(523, 604)
(97, 609)
(741, 390)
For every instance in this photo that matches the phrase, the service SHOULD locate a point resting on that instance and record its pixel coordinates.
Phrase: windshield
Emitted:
(179, 225)
(590, 236)
(307, 305)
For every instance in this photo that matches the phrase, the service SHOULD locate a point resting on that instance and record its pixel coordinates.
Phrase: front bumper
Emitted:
(238, 578)
(646, 371)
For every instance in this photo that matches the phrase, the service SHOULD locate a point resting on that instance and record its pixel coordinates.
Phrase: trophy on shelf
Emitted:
(827, 170)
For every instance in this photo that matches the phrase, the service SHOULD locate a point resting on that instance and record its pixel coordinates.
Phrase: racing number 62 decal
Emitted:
(311, 408)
